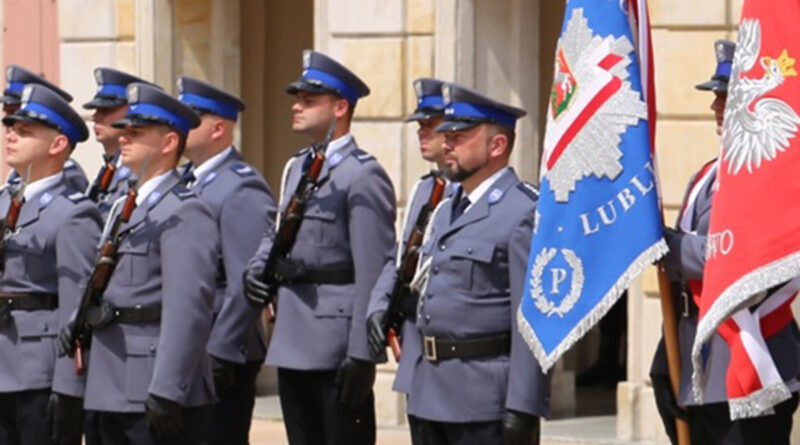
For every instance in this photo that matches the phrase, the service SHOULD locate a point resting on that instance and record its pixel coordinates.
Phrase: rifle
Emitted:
(393, 320)
(101, 275)
(291, 219)
(106, 177)
(9, 223)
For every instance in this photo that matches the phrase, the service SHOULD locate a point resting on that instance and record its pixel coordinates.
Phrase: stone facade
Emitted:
(502, 47)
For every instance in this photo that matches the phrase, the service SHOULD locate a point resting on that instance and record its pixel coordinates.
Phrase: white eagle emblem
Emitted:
(592, 105)
(756, 128)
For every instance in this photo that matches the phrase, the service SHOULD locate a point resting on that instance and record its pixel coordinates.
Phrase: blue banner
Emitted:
(598, 222)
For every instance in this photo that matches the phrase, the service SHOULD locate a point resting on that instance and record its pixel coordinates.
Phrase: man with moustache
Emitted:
(149, 379)
(110, 103)
(428, 116)
(244, 209)
(474, 260)
(16, 79)
(45, 261)
(319, 344)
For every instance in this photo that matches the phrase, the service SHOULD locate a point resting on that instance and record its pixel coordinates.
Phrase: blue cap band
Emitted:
(108, 89)
(431, 101)
(69, 130)
(348, 92)
(463, 109)
(223, 109)
(15, 87)
(724, 69)
(150, 110)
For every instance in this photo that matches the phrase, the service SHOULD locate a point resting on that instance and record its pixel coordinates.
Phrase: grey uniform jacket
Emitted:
(685, 262)
(476, 280)
(168, 256)
(348, 222)
(51, 252)
(244, 209)
(412, 342)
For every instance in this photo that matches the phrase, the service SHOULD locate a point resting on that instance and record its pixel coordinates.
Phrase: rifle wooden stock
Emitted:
(9, 226)
(289, 227)
(98, 282)
(392, 322)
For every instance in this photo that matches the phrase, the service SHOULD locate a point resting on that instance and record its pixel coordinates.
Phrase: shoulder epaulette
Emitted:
(183, 193)
(243, 170)
(74, 196)
(529, 189)
(363, 156)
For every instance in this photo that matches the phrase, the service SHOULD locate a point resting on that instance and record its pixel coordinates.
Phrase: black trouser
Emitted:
(130, 428)
(234, 412)
(428, 432)
(22, 418)
(313, 414)
(711, 424)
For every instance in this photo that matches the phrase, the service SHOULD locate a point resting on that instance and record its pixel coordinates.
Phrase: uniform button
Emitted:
(427, 318)
(429, 296)
(469, 249)
(242, 348)
(341, 310)
(442, 246)
(183, 386)
(435, 270)
(46, 328)
(152, 348)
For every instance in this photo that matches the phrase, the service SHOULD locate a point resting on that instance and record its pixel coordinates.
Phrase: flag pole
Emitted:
(672, 346)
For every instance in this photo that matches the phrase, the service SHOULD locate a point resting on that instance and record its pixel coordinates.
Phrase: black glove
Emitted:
(667, 405)
(355, 379)
(164, 417)
(224, 373)
(65, 340)
(65, 417)
(375, 336)
(520, 428)
(256, 291)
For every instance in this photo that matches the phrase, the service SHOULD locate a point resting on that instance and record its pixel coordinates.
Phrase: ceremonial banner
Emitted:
(754, 236)
(598, 221)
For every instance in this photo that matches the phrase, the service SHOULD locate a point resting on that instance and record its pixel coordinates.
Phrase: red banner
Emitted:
(754, 237)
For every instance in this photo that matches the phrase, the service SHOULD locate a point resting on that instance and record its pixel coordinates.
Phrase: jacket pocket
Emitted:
(470, 262)
(134, 264)
(316, 227)
(139, 365)
(37, 331)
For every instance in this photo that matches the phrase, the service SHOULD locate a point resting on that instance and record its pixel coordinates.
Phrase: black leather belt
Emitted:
(436, 349)
(28, 301)
(327, 276)
(100, 316)
(137, 314)
(686, 306)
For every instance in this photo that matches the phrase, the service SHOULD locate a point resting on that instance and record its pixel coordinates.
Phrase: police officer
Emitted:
(710, 422)
(428, 116)
(244, 209)
(16, 79)
(475, 258)
(45, 262)
(319, 344)
(149, 379)
(110, 103)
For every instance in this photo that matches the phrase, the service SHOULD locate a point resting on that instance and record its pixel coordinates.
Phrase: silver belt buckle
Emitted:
(429, 347)
(685, 304)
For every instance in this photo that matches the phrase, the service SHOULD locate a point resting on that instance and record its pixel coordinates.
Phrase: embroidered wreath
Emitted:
(546, 306)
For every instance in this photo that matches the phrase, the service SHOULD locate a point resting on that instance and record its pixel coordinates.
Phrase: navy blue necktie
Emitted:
(188, 178)
(460, 208)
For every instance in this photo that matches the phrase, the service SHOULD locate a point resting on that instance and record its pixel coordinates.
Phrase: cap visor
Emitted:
(19, 116)
(713, 85)
(421, 115)
(103, 102)
(133, 121)
(10, 100)
(455, 126)
(300, 85)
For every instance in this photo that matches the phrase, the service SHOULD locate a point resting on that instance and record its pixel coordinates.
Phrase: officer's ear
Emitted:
(499, 142)
(60, 146)
(342, 108)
